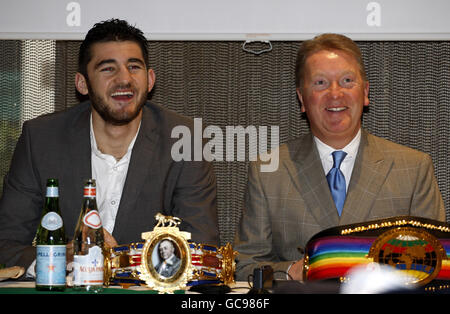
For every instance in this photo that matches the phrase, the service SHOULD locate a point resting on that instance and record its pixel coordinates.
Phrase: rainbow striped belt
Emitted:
(417, 246)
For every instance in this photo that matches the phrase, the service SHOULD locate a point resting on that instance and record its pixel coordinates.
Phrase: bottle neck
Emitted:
(51, 204)
(89, 203)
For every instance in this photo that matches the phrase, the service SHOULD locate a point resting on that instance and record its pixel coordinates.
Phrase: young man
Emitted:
(117, 138)
(370, 178)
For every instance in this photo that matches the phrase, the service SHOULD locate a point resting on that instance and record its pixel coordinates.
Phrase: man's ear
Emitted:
(366, 94)
(81, 84)
(151, 79)
(300, 98)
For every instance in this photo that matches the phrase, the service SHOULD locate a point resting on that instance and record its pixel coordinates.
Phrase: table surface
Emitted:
(28, 287)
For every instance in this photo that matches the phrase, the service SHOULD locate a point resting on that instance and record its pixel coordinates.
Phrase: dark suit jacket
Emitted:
(58, 146)
(285, 208)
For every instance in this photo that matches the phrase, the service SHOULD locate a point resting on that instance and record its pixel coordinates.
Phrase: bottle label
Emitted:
(88, 269)
(52, 191)
(92, 219)
(52, 221)
(51, 265)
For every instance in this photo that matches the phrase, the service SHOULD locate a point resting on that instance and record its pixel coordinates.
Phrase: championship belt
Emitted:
(418, 248)
(142, 263)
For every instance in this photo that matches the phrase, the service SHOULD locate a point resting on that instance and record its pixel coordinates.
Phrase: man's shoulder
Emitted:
(390, 147)
(165, 117)
(293, 145)
(61, 118)
(293, 148)
(287, 155)
(396, 151)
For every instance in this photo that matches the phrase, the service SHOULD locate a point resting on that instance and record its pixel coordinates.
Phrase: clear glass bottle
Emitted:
(88, 244)
(51, 243)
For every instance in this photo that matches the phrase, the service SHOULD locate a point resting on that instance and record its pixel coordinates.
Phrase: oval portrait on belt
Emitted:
(166, 258)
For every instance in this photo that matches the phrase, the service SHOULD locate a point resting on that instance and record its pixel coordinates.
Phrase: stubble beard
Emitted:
(110, 116)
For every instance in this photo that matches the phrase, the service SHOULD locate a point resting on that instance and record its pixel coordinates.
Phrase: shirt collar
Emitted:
(351, 149)
(171, 260)
(98, 153)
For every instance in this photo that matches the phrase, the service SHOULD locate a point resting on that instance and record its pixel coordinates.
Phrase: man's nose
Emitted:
(335, 90)
(123, 75)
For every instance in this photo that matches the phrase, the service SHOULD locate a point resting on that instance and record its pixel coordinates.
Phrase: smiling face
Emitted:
(333, 95)
(117, 81)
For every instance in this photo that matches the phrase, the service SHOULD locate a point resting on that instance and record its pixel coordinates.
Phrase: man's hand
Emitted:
(296, 270)
(109, 242)
(109, 239)
(69, 252)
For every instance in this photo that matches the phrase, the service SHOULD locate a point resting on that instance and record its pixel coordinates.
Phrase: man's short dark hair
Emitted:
(110, 30)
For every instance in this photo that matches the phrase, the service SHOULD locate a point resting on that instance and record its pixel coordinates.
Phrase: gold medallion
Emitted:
(414, 252)
(166, 258)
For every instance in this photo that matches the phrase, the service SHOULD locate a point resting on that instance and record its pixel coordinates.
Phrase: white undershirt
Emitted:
(326, 157)
(110, 176)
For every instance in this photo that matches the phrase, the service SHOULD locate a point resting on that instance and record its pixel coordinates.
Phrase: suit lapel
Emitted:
(368, 176)
(309, 179)
(79, 156)
(369, 173)
(144, 151)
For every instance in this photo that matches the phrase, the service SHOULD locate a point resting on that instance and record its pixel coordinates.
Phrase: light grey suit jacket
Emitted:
(285, 208)
(58, 146)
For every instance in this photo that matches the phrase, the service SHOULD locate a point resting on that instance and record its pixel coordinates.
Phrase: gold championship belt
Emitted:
(167, 260)
(418, 248)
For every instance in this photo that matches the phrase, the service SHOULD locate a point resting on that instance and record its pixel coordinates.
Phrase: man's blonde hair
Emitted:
(326, 42)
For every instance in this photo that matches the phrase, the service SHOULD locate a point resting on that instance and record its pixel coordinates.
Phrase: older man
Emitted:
(170, 263)
(336, 175)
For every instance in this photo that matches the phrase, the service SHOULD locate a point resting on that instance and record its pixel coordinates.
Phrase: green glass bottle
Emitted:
(88, 244)
(51, 243)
